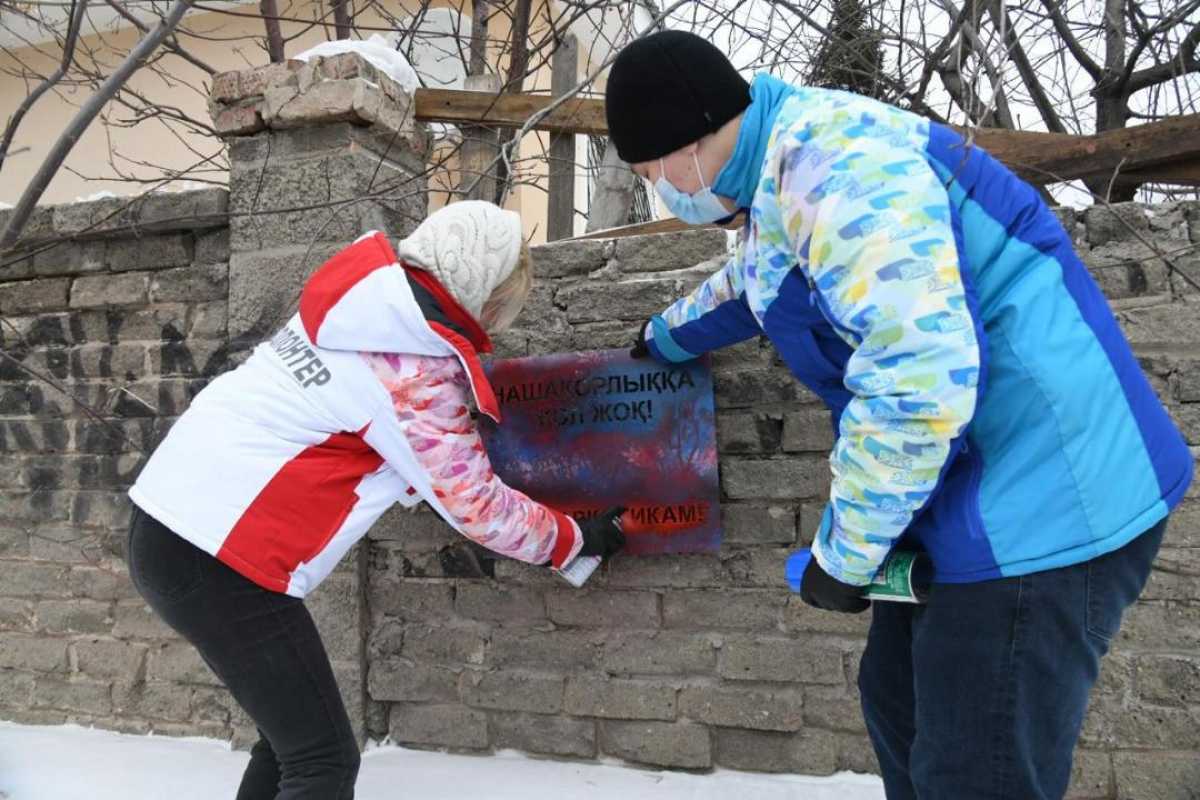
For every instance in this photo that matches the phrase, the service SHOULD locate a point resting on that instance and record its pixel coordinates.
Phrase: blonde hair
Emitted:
(507, 299)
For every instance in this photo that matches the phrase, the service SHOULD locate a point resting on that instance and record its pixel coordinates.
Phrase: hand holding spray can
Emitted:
(581, 567)
(904, 576)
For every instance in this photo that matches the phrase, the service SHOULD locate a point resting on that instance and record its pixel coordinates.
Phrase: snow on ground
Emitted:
(72, 763)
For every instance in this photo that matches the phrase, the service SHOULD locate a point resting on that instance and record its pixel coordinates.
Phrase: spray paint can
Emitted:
(904, 576)
(579, 570)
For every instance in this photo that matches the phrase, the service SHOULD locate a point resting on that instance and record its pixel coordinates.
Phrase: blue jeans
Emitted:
(265, 648)
(981, 693)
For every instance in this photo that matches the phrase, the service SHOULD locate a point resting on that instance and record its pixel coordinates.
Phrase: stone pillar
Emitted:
(319, 153)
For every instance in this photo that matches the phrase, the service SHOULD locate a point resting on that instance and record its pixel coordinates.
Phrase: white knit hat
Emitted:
(470, 246)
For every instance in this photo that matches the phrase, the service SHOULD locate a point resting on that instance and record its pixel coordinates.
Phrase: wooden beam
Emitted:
(1012, 147)
(1036, 156)
(1185, 173)
(577, 115)
(1182, 174)
(1009, 147)
(668, 225)
(1048, 157)
(560, 198)
(1156, 144)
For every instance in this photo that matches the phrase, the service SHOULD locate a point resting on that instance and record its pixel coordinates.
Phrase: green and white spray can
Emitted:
(904, 576)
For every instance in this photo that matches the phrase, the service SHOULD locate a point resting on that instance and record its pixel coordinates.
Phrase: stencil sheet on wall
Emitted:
(583, 432)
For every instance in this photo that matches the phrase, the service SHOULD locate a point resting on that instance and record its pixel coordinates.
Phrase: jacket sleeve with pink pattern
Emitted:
(428, 436)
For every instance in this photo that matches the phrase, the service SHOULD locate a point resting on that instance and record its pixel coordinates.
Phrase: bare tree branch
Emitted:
(68, 56)
(171, 43)
(87, 113)
(269, 13)
(505, 151)
(1147, 36)
(341, 19)
(935, 58)
(518, 64)
(950, 70)
(1068, 38)
(1033, 83)
(1185, 62)
(479, 27)
(918, 103)
(519, 54)
(1017, 57)
(1114, 39)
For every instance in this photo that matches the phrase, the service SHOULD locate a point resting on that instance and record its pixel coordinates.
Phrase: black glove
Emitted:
(829, 594)
(640, 349)
(602, 534)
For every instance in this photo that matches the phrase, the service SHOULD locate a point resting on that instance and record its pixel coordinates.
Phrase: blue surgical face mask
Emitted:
(700, 208)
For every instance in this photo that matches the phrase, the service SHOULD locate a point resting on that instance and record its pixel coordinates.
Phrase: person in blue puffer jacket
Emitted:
(986, 406)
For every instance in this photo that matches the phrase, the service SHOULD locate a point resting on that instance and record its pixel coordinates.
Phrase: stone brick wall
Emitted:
(133, 309)
(679, 661)
(1142, 735)
(706, 660)
(129, 315)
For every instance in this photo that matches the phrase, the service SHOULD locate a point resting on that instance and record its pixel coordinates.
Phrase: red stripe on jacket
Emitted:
(329, 284)
(300, 509)
(565, 540)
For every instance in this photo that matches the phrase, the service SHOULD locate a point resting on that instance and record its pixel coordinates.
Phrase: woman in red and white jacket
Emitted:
(277, 468)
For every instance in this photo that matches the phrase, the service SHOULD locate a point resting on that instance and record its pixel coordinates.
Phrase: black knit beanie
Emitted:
(668, 90)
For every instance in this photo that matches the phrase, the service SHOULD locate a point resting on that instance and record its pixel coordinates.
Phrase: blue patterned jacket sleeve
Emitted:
(881, 260)
(714, 315)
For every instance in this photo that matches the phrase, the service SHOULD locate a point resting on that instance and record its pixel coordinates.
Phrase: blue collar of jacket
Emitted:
(739, 177)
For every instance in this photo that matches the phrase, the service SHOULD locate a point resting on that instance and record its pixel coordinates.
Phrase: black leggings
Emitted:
(264, 647)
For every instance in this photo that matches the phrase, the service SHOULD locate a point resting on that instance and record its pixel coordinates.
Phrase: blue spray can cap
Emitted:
(796, 564)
